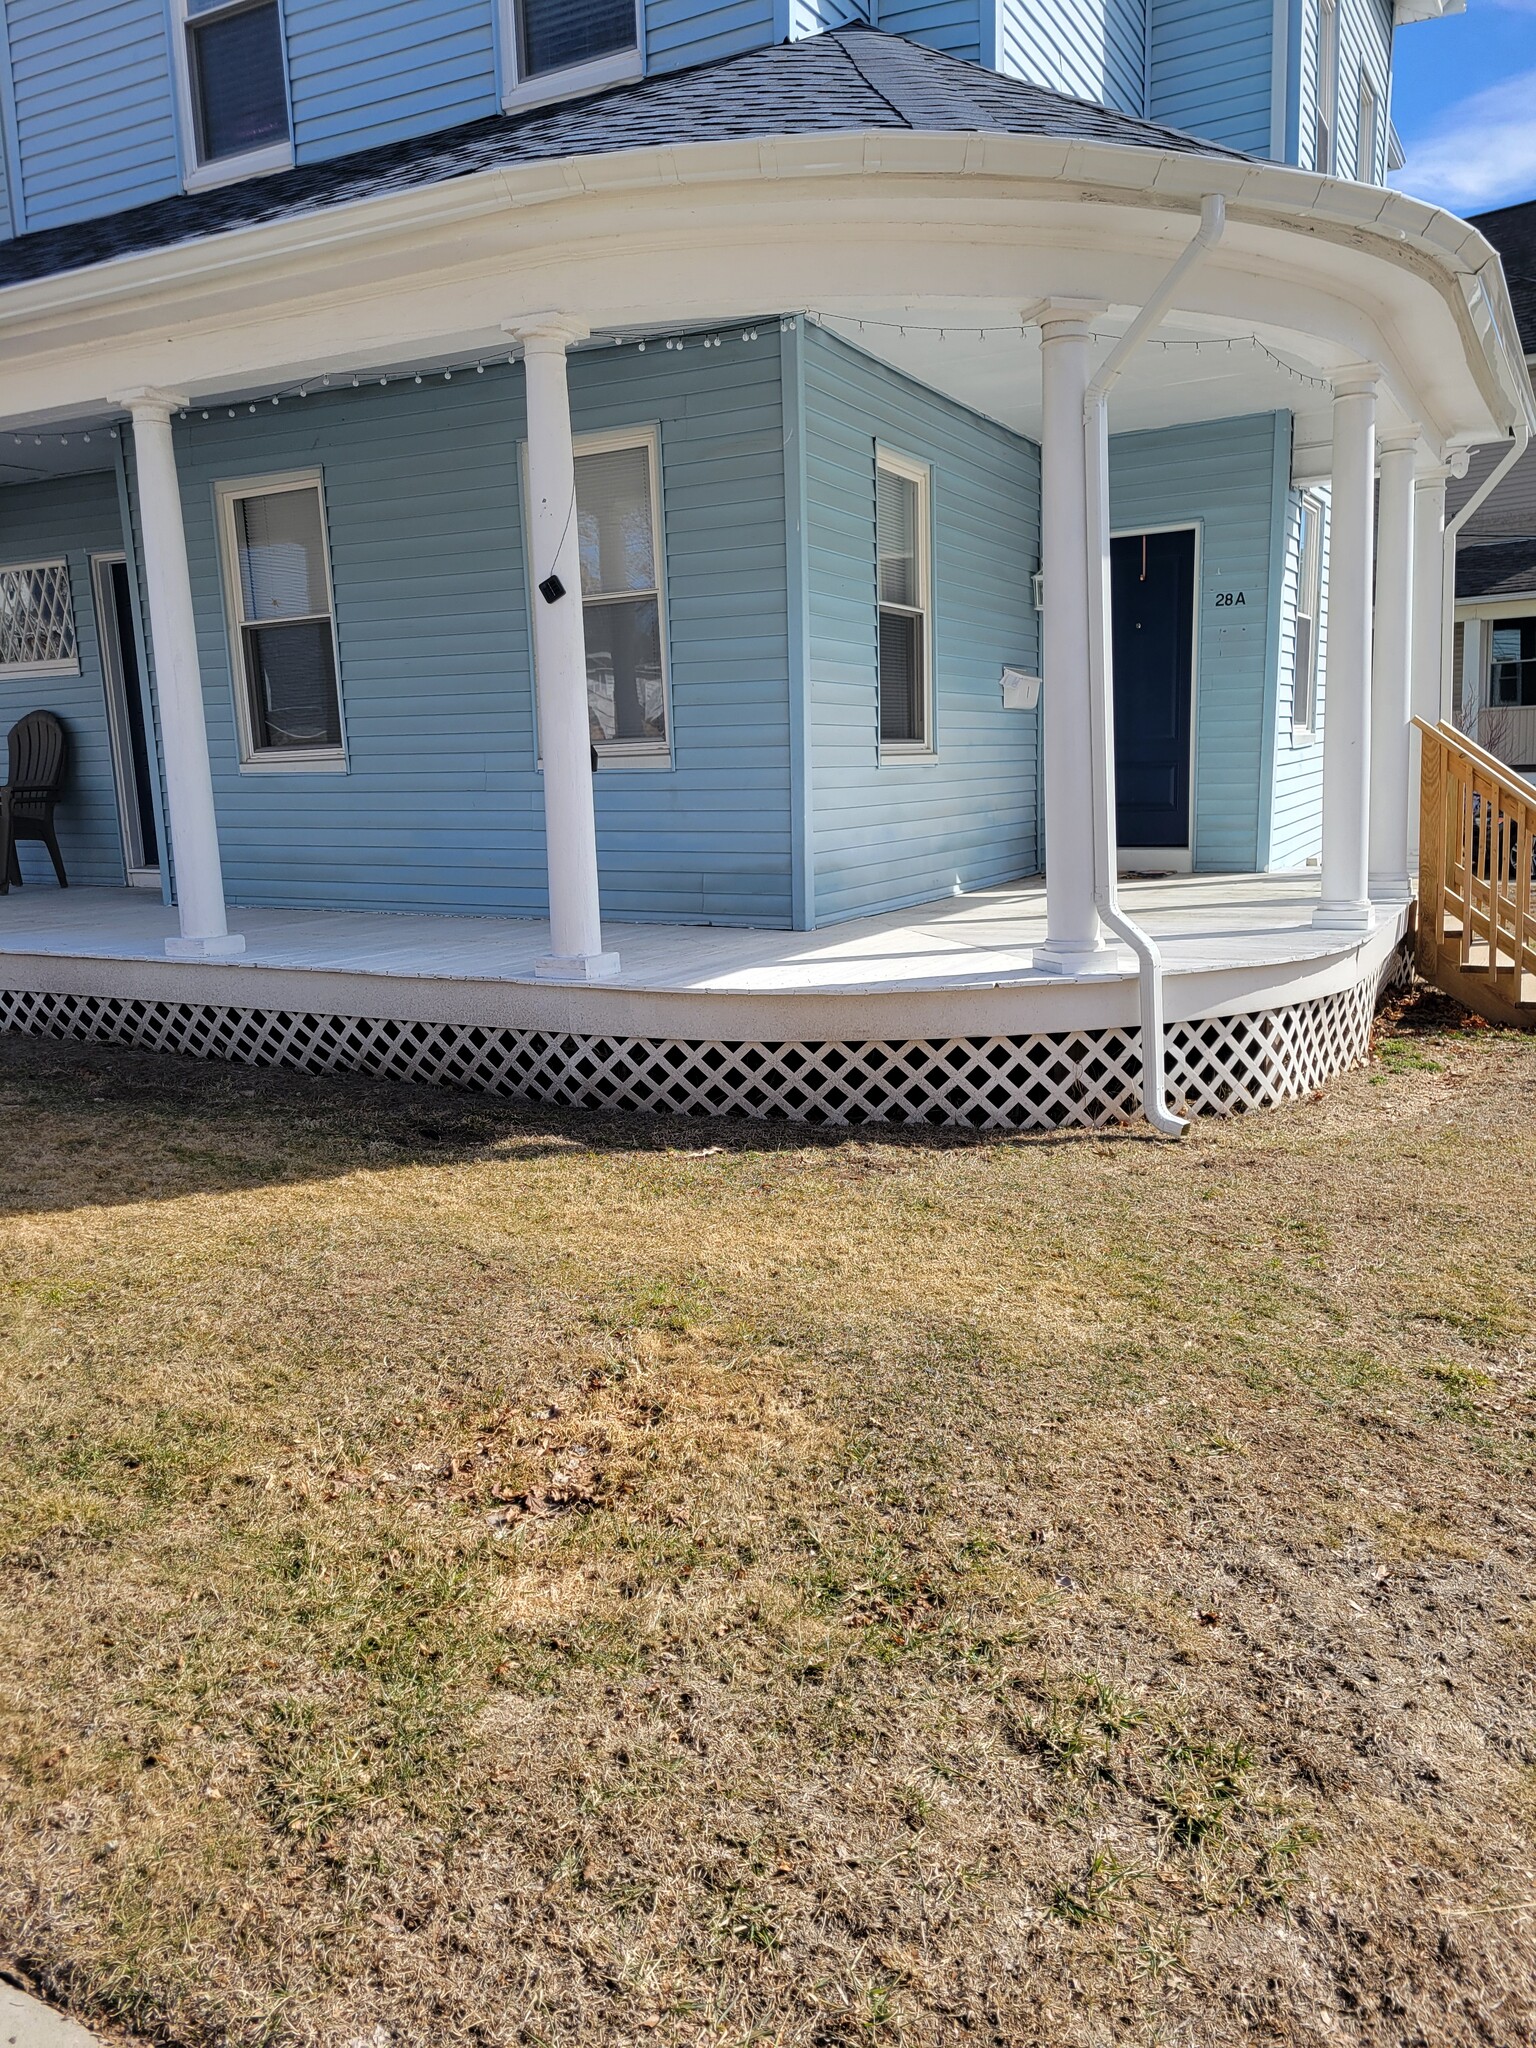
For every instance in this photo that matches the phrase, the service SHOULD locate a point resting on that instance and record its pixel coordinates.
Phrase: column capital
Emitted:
(547, 331)
(150, 402)
(1358, 380)
(1068, 316)
(1434, 477)
(1405, 443)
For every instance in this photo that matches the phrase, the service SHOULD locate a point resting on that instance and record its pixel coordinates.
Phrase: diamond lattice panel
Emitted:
(1036, 1083)
(37, 620)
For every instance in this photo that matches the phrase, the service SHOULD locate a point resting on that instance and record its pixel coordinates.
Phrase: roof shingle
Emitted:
(849, 79)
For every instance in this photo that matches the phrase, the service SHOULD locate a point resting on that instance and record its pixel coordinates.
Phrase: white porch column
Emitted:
(1391, 656)
(1345, 904)
(560, 657)
(1074, 942)
(199, 875)
(1428, 653)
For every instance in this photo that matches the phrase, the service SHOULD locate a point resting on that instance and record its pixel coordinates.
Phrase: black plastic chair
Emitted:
(38, 753)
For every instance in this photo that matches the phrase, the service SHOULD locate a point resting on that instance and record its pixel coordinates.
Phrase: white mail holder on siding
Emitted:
(1021, 692)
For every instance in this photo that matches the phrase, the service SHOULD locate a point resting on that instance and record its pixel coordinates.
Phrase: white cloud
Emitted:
(1481, 152)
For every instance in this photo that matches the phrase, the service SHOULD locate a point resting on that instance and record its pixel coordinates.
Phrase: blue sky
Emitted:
(1464, 102)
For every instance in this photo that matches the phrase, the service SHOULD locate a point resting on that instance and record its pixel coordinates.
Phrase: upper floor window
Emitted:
(1367, 125)
(1325, 154)
(235, 80)
(565, 46)
(1512, 661)
(901, 549)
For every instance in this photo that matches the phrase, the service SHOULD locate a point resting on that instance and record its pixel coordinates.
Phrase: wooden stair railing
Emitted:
(1477, 877)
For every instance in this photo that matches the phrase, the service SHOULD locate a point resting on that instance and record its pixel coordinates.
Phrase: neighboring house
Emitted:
(602, 466)
(1494, 669)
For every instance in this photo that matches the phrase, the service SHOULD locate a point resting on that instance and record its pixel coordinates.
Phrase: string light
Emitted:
(1015, 329)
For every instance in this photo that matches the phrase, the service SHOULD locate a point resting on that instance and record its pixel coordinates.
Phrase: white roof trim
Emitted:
(1406, 11)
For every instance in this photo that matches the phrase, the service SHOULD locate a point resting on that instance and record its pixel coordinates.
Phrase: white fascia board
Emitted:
(1384, 224)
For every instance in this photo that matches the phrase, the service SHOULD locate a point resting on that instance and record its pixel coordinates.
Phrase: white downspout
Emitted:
(1485, 490)
(1101, 703)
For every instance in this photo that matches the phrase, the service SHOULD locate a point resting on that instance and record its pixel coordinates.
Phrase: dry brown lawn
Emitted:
(470, 1575)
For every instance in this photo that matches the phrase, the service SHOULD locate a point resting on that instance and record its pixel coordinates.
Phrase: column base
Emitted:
(1078, 961)
(227, 946)
(1391, 888)
(577, 967)
(1344, 915)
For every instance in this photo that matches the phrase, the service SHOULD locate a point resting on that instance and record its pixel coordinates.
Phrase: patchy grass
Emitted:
(476, 1576)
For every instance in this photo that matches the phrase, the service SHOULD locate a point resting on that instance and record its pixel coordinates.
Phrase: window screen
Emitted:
(1308, 605)
(554, 34)
(239, 94)
(900, 520)
(621, 596)
(37, 619)
(287, 640)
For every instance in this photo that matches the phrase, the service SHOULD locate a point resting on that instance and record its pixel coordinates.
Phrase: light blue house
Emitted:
(603, 465)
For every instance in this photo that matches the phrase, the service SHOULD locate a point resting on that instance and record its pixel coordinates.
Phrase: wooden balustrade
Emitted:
(1477, 877)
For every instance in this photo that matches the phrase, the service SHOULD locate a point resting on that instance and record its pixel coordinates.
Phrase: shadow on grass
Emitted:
(85, 1125)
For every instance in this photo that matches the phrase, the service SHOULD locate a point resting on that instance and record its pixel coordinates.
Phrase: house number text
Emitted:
(1230, 597)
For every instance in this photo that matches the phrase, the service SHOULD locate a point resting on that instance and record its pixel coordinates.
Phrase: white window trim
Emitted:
(274, 760)
(921, 474)
(20, 670)
(1306, 729)
(637, 754)
(197, 176)
(619, 67)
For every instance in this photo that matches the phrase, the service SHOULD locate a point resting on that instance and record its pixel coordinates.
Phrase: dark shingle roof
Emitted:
(851, 79)
(1499, 568)
(1512, 231)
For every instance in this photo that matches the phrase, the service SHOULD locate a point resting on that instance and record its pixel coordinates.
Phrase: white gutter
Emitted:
(1101, 698)
(1520, 441)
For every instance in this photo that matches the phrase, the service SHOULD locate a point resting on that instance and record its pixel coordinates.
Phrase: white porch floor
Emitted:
(1227, 940)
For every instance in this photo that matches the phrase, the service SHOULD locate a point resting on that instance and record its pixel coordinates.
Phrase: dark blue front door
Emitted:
(1152, 581)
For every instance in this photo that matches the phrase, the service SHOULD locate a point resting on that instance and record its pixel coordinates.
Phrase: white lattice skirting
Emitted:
(1039, 1082)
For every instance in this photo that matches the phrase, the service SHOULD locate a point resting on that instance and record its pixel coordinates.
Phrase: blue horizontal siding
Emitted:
(813, 17)
(953, 26)
(1093, 49)
(442, 804)
(1219, 477)
(1210, 69)
(92, 86)
(679, 32)
(74, 517)
(367, 71)
(902, 831)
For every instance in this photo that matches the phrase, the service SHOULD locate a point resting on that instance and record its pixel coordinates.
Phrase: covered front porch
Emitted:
(938, 1014)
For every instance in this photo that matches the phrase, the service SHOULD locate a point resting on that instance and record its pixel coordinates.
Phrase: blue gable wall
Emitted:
(1093, 49)
(903, 831)
(92, 122)
(1210, 69)
(75, 517)
(1220, 478)
(442, 807)
(366, 71)
(679, 32)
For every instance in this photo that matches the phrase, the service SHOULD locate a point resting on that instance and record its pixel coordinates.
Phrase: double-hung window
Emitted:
(1309, 598)
(618, 522)
(905, 636)
(567, 46)
(282, 629)
(235, 87)
(1512, 662)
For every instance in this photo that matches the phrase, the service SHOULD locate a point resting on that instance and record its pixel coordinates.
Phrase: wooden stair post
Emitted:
(1477, 870)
